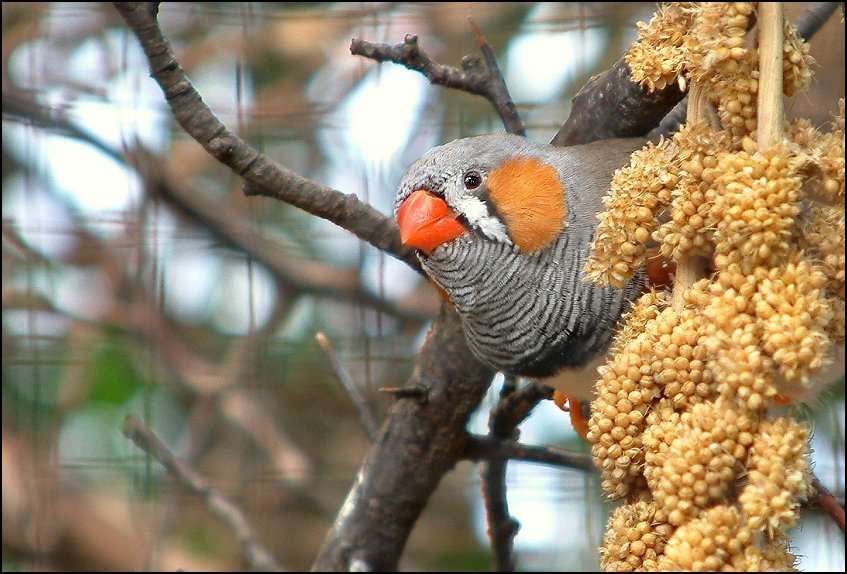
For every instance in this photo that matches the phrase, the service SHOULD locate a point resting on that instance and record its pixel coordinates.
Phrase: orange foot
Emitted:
(579, 418)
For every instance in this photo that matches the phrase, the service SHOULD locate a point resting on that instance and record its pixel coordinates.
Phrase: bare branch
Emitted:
(366, 414)
(262, 175)
(502, 526)
(828, 503)
(610, 105)
(499, 93)
(256, 555)
(814, 18)
(228, 226)
(472, 78)
(480, 448)
(418, 444)
(513, 408)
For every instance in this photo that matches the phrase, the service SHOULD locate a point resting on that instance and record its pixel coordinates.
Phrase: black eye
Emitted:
(472, 179)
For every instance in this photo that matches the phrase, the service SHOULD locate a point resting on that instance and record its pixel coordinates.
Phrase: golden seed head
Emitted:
(778, 476)
(628, 220)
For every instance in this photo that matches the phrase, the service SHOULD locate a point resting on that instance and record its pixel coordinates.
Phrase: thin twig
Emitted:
(502, 526)
(480, 448)
(256, 555)
(499, 93)
(367, 418)
(514, 406)
(488, 83)
(828, 503)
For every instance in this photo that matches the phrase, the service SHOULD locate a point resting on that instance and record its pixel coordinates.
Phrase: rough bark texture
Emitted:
(419, 442)
(612, 106)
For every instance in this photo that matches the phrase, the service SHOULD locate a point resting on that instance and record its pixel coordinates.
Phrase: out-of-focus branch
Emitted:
(256, 555)
(488, 83)
(225, 225)
(133, 311)
(262, 176)
(828, 503)
(482, 448)
(366, 415)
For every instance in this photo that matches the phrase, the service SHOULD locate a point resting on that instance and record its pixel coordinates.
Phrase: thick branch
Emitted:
(611, 105)
(420, 441)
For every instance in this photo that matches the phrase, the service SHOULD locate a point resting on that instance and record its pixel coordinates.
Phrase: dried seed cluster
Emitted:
(635, 539)
(719, 540)
(688, 231)
(777, 476)
(641, 189)
(682, 425)
(624, 393)
(700, 464)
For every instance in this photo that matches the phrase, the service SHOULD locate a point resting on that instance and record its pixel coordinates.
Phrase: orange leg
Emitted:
(574, 407)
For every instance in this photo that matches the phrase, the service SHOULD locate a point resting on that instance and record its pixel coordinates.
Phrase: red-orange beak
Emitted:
(426, 221)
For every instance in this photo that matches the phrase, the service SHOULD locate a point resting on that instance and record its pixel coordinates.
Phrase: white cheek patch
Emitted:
(476, 212)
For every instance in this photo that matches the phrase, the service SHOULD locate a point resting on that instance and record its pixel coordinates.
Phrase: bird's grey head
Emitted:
(458, 172)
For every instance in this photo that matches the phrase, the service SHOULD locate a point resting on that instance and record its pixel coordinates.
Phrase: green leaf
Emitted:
(114, 376)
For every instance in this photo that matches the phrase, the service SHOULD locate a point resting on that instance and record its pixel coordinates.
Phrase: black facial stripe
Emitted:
(484, 195)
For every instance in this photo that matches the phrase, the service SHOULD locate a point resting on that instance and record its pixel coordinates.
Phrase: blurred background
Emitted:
(138, 279)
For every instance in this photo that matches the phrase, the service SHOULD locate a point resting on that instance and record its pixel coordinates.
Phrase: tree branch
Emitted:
(611, 105)
(227, 226)
(481, 448)
(511, 411)
(256, 555)
(488, 83)
(262, 176)
(828, 503)
(420, 441)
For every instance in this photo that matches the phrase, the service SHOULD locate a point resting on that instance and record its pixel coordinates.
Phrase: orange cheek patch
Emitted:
(531, 200)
